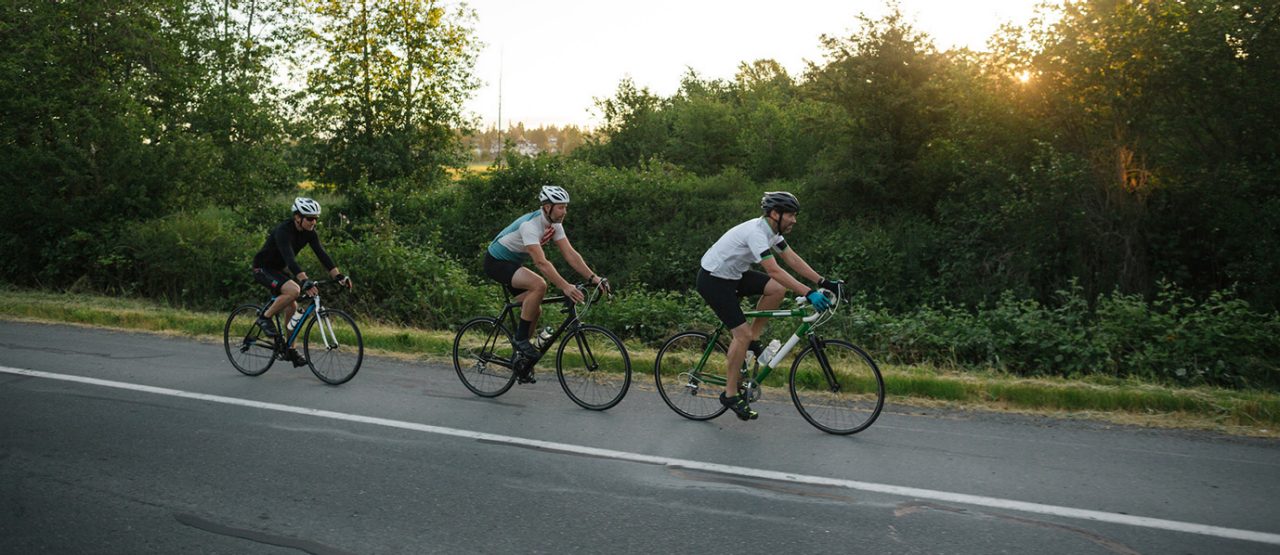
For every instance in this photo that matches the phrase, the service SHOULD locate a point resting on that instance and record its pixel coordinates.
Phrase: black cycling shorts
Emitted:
(723, 294)
(502, 271)
(271, 279)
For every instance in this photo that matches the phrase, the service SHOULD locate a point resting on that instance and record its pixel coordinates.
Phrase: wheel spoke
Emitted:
(838, 389)
(691, 391)
(594, 368)
(338, 346)
(248, 349)
(482, 355)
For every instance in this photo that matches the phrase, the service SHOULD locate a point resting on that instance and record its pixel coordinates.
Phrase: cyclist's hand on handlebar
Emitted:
(309, 287)
(344, 281)
(603, 283)
(574, 294)
(818, 300)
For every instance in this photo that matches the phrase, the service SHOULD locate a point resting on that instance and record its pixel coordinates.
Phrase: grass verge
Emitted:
(1250, 413)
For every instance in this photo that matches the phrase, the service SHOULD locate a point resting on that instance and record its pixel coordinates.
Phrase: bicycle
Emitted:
(834, 384)
(483, 353)
(339, 345)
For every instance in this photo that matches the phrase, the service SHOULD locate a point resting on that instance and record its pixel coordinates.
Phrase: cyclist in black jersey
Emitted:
(277, 259)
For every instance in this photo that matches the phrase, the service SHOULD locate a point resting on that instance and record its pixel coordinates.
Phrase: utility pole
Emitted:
(502, 146)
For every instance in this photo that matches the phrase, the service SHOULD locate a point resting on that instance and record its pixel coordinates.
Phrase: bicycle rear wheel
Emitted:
(482, 355)
(248, 348)
(593, 367)
(837, 388)
(339, 347)
(692, 392)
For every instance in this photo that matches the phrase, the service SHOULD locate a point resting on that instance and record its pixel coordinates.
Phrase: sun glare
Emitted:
(1024, 77)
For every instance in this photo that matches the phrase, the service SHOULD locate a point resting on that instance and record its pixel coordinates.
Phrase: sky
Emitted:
(554, 57)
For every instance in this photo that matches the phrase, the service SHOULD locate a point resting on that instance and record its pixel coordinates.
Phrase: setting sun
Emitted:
(1024, 77)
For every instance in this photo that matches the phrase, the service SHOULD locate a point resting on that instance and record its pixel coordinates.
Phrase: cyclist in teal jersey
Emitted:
(522, 241)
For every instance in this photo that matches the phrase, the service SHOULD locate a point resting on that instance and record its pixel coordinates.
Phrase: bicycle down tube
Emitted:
(766, 366)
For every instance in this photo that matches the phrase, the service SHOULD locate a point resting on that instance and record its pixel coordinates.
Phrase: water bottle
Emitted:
(293, 322)
(766, 358)
(544, 337)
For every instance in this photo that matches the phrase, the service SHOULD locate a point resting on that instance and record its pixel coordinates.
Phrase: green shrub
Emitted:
(199, 259)
(1173, 339)
(1218, 341)
(406, 284)
(652, 317)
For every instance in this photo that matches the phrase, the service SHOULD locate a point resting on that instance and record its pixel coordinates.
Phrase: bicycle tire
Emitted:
(253, 352)
(687, 394)
(843, 395)
(482, 356)
(339, 362)
(593, 352)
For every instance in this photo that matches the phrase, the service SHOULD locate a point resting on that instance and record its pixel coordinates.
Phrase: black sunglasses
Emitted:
(311, 218)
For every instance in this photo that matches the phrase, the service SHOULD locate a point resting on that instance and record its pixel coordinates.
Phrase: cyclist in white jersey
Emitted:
(522, 241)
(726, 275)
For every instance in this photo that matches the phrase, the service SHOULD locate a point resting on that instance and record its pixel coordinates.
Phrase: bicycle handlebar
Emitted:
(835, 301)
(308, 284)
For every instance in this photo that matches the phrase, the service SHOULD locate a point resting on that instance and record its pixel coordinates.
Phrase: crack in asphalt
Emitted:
(57, 351)
(911, 507)
(277, 540)
(756, 483)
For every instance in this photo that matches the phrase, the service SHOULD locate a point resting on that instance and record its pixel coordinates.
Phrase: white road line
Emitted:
(917, 493)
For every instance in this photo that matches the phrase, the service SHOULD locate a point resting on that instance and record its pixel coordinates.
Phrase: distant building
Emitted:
(526, 148)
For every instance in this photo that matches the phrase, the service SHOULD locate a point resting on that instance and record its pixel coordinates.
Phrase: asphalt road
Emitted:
(115, 442)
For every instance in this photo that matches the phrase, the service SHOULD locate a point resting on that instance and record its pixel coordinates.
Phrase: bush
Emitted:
(407, 284)
(1174, 338)
(198, 259)
(1219, 341)
(652, 317)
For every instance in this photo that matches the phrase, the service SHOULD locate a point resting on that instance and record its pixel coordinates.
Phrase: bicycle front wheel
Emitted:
(689, 383)
(482, 356)
(333, 346)
(593, 367)
(248, 348)
(837, 387)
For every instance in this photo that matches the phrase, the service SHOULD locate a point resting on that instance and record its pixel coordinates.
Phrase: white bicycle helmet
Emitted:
(553, 195)
(306, 206)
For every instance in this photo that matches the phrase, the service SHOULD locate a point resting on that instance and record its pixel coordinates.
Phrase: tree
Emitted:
(389, 90)
(111, 112)
(1174, 105)
(884, 107)
(633, 130)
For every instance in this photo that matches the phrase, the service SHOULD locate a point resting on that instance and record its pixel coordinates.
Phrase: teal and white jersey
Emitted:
(530, 229)
(745, 244)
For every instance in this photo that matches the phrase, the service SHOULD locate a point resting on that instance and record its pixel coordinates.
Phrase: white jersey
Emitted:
(530, 229)
(745, 244)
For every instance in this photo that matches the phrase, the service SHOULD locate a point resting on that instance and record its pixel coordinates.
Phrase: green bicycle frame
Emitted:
(767, 366)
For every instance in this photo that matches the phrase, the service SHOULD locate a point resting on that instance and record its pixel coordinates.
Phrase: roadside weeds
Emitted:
(1244, 413)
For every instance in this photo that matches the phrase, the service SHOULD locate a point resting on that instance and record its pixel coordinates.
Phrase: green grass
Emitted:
(141, 315)
(1242, 412)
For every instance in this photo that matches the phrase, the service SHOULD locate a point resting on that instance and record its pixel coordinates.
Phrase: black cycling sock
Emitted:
(522, 330)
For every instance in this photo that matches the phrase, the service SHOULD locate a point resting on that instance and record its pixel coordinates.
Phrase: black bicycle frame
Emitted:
(509, 315)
